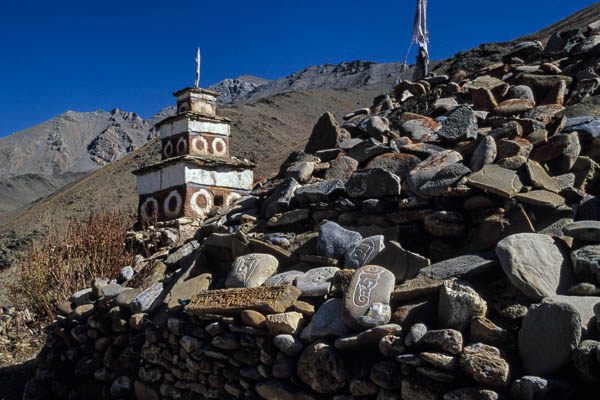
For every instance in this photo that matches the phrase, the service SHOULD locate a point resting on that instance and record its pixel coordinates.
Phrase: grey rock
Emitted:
(586, 262)
(461, 125)
(552, 330)
(145, 301)
(369, 285)
(422, 150)
(484, 154)
(399, 164)
(126, 273)
(443, 179)
(97, 285)
(377, 314)
(368, 338)
(464, 267)
(520, 92)
(385, 374)
(301, 172)
(495, 179)
(471, 393)
(327, 321)
(586, 363)
(402, 263)
(322, 191)
(82, 297)
(181, 252)
(251, 270)
(588, 209)
(279, 200)
(534, 264)
(322, 368)
(367, 150)
(326, 134)
(112, 290)
(377, 126)
(540, 177)
(588, 231)
(125, 298)
(334, 241)
(283, 279)
(364, 252)
(416, 333)
(341, 169)
(289, 344)
(536, 388)
(316, 282)
(284, 366)
(589, 127)
(426, 170)
(373, 182)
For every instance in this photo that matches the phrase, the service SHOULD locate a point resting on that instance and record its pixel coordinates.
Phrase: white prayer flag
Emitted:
(420, 34)
(198, 67)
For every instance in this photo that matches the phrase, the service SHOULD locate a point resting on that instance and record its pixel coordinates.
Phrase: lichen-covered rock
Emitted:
(458, 303)
(322, 368)
(485, 365)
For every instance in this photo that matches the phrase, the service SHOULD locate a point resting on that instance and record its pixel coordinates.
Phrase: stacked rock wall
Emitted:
(442, 245)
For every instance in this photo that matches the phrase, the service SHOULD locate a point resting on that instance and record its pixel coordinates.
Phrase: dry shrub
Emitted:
(65, 262)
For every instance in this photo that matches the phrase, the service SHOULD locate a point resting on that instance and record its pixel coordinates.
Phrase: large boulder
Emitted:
(552, 330)
(535, 265)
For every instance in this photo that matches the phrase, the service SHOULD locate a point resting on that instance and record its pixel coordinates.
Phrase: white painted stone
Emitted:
(180, 174)
(185, 125)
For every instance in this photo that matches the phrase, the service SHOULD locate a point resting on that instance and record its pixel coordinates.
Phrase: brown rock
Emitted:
(485, 365)
(497, 180)
(483, 99)
(399, 164)
(514, 107)
(253, 318)
(265, 299)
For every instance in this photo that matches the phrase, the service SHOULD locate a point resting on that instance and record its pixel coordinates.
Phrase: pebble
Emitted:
(414, 336)
(289, 344)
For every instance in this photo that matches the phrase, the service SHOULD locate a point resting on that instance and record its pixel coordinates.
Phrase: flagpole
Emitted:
(197, 67)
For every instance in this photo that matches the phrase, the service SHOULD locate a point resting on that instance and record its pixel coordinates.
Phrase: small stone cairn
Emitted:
(442, 244)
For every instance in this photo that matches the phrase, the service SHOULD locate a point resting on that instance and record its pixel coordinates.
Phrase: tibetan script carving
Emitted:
(264, 299)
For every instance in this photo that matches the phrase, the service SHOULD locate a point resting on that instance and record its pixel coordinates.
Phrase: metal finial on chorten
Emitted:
(198, 67)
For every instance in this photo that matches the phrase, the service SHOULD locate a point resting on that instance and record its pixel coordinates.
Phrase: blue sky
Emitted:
(86, 55)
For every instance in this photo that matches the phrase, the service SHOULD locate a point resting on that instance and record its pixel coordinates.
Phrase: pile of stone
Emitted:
(442, 244)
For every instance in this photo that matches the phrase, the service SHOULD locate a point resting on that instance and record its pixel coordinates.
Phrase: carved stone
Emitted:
(370, 284)
(264, 299)
(316, 282)
(251, 270)
(364, 252)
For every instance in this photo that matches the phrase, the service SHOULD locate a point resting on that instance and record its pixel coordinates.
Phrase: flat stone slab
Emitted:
(251, 270)
(316, 282)
(402, 263)
(540, 177)
(364, 252)
(370, 284)
(497, 180)
(588, 231)
(264, 299)
(543, 198)
(470, 265)
(534, 264)
(370, 337)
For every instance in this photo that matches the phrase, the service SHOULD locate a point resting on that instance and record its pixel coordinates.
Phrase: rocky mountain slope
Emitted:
(72, 142)
(234, 89)
(443, 243)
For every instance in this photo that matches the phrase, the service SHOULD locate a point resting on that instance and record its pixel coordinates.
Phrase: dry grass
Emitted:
(65, 262)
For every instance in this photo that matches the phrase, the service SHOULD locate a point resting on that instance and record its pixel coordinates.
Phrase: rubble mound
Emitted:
(441, 244)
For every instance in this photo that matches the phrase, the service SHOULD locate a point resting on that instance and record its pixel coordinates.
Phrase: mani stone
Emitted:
(283, 279)
(370, 284)
(322, 368)
(327, 321)
(373, 182)
(262, 299)
(497, 180)
(251, 270)
(316, 282)
(552, 330)
(534, 265)
(334, 241)
(461, 125)
(423, 173)
(588, 231)
(364, 252)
